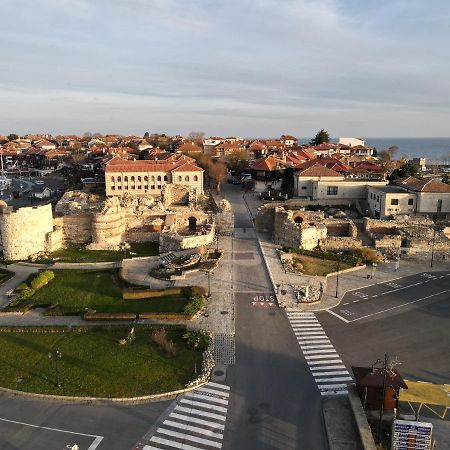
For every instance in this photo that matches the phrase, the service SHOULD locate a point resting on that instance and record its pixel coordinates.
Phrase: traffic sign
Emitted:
(411, 435)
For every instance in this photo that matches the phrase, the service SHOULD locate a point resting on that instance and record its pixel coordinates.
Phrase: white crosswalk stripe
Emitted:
(326, 366)
(197, 421)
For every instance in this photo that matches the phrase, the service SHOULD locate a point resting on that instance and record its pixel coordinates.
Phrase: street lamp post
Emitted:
(208, 274)
(337, 278)
(217, 243)
(56, 355)
(432, 246)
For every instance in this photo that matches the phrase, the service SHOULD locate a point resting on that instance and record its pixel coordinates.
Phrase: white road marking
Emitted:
(207, 423)
(338, 316)
(175, 444)
(183, 426)
(189, 437)
(400, 306)
(317, 352)
(93, 446)
(199, 412)
(203, 405)
(213, 391)
(333, 372)
(207, 398)
(217, 385)
(311, 347)
(318, 363)
(332, 379)
(308, 357)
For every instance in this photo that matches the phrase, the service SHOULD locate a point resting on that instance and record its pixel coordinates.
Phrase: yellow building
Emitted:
(144, 177)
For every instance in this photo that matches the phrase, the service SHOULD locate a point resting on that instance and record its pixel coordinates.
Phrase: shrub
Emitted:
(198, 340)
(21, 287)
(198, 290)
(195, 304)
(365, 255)
(159, 337)
(42, 279)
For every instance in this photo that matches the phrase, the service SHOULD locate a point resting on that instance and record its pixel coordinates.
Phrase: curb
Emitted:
(102, 400)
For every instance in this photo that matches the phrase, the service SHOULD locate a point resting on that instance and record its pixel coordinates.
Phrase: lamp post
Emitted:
(337, 278)
(217, 243)
(208, 274)
(432, 246)
(56, 355)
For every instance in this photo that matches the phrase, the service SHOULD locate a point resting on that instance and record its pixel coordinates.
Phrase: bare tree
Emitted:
(218, 172)
(196, 137)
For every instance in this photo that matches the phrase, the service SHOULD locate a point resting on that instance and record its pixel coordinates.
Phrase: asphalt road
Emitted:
(406, 318)
(274, 402)
(42, 425)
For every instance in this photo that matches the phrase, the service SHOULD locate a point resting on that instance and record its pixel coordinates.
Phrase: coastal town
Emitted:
(211, 257)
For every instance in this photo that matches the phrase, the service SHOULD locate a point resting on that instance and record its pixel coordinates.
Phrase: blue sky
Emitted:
(240, 67)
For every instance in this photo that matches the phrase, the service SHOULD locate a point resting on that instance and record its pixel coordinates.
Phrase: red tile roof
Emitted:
(318, 170)
(428, 185)
(118, 164)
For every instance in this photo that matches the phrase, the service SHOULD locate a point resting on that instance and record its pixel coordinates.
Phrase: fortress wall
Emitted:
(76, 229)
(24, 231)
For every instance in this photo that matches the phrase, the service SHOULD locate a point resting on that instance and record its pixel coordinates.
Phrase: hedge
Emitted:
(195, 305)
(352, 256)
(136, 294)
(93, 315)
(131, 316)
(42, 279)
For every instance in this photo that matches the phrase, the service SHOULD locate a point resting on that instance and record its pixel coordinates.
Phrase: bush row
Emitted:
(136, 294)
(352, 256)
(92, 315)
(23, 301)
(195, 305)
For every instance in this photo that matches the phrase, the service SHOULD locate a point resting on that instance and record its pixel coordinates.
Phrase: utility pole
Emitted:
(56, 354)
(383, 394)
(432, 245)
(337, 278)
(208, 274)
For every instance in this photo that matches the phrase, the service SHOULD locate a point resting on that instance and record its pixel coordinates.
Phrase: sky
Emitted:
(250, 68)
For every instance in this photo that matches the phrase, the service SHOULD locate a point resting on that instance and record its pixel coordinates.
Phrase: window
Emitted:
(410, 201)
(394, 201)
(179, 178)
(145, 178)
(125, 179)
(439, 206)
(186, 178)
(146, 187)
(119, 188)
(113, 188)
(119, 179)
(332, 190)
(139, 179)
(113, 179)
(195, 178)
(159, 177)
(165, 177)
(152, 186)
(132, 179)
(159, 186)
(153, 178)
(378, 198)
(304, 188)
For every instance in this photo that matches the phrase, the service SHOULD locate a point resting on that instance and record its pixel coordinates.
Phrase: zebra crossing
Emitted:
(327, 368)
(196, 423)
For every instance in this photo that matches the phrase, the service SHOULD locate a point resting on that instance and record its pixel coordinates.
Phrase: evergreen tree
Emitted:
(321, 137)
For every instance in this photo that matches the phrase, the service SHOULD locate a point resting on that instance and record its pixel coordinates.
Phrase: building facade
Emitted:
(148, 177)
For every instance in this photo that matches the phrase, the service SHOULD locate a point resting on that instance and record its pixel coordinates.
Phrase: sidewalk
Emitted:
(347, 281)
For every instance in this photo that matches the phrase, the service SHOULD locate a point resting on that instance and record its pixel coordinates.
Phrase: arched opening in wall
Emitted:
(192, 224)
(195, 178)
(298, 218)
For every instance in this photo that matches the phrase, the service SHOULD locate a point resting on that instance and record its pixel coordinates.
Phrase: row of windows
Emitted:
(373, 196)
(139, 187)
(152, 178)
(332, 190)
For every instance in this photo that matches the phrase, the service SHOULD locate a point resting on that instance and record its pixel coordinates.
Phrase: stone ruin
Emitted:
(308, 229)
(409, 233)
(81, 219)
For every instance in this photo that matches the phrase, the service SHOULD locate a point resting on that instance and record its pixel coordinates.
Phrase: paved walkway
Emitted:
(347, 281)
(21, 273)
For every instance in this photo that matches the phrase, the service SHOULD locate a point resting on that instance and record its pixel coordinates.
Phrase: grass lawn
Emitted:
(317, 266)
(94, 364)
(5, 275)
(76, 290)
(83, 255)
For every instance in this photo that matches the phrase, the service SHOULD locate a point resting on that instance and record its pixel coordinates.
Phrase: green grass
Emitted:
(317, 266)
(72, 254)
(5, 275)
(94, 364)
(75, 290)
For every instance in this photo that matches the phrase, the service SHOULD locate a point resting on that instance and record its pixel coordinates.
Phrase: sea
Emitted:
(435, 150)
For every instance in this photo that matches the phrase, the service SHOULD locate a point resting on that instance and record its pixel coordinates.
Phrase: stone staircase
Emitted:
(168, 258)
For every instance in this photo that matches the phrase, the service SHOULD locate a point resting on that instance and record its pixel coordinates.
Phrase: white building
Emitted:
(352, 142)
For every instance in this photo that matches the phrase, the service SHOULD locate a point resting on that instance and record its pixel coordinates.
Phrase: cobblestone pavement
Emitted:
(219, 315)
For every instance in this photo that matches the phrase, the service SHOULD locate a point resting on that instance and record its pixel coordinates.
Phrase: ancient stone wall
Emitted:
(24, 231)
(340, 243)
(171, 241)
(76, 229)
(265, 219)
